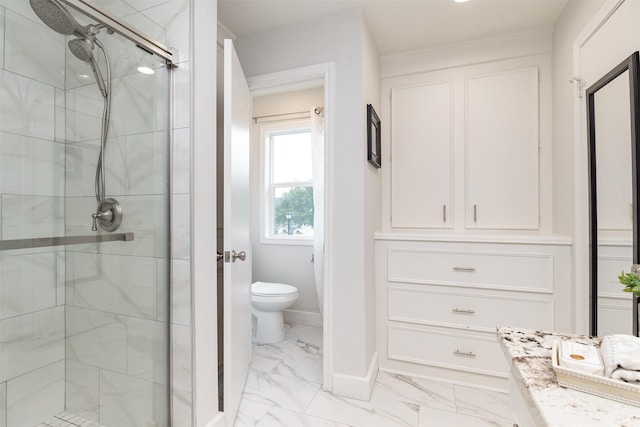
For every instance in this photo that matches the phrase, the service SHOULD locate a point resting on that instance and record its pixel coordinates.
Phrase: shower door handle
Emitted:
(242, 255)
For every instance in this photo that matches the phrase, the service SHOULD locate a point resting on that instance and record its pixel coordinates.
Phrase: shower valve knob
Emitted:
(102, 216)
(108, 215)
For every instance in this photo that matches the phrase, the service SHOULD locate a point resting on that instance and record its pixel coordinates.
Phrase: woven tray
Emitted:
(594, 384)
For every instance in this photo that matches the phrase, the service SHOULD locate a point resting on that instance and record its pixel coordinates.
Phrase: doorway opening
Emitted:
(320, 77)
(287, 227)
(282, 228)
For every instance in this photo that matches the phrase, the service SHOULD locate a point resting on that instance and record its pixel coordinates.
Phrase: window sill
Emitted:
(290, 241)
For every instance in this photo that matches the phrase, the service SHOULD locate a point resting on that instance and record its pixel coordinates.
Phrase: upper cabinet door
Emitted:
(421, 160)
(502, 150)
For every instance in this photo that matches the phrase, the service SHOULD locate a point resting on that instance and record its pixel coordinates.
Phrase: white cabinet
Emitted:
(440, 300)
(502, 150)
(421, 134)
(464, 147)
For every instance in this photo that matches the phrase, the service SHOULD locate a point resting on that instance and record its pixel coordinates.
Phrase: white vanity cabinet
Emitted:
(441, 299)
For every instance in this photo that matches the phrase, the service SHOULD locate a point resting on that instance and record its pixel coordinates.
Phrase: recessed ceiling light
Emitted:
(460, 1)
(146, 70)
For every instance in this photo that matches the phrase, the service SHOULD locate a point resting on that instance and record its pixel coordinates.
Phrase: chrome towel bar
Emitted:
(41, 242)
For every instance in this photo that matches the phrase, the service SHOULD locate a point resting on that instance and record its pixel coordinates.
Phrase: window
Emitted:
(288, 188)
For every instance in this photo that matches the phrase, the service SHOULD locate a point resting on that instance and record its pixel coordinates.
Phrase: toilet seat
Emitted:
(272, 289)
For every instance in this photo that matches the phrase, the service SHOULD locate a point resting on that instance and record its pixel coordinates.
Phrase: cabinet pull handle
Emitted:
(475, 213)
(460, 311)
(464, 269)
(444, 213)
(465, 354)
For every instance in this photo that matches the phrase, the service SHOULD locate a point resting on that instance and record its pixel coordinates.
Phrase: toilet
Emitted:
(267, 301)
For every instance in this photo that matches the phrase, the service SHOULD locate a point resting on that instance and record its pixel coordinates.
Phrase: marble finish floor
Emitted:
(284, 389)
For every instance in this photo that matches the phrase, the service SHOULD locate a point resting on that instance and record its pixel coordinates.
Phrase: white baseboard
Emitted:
(357, 387)
(298, 317)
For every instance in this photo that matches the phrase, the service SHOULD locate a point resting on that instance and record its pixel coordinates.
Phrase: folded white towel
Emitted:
(625, 375)
(621, 357)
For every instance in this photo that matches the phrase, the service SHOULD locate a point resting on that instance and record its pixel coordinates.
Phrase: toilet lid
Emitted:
(267, 289)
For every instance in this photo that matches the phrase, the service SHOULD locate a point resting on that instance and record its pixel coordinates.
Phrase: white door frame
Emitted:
(204, 347)
(581, 176)
(297, 79)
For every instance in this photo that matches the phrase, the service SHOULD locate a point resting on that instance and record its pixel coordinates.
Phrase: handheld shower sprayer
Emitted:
(83, 50)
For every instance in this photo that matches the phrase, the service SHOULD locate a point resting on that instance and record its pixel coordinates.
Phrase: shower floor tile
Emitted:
(66, 419)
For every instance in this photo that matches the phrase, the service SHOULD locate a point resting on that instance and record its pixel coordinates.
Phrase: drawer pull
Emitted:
(459, 311)
(465, 354)
(464, 269)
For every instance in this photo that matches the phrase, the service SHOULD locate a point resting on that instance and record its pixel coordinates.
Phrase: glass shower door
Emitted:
(83, 314)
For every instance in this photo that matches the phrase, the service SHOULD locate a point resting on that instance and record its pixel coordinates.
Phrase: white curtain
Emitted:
(317, 170)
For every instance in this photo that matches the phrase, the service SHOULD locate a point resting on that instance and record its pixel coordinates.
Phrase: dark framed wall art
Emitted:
(373, 137)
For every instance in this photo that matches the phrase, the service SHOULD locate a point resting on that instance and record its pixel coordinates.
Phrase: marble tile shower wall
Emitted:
(82, 330)
(32, 171)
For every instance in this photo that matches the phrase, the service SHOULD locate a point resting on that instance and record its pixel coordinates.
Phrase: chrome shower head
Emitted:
(81, 49)
(56, 16)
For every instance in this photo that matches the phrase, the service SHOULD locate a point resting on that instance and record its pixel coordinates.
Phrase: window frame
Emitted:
(267, 187)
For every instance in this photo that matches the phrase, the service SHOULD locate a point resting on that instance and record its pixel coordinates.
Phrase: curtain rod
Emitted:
(317, 110)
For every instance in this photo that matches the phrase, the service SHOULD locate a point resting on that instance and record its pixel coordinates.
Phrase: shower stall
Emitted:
(84, 215)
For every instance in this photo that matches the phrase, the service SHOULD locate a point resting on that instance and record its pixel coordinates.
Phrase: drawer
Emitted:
(517, 271)
(476, 311)
(479, 354)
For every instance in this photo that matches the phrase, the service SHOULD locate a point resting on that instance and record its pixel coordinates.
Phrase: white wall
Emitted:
(281, 263)
(372, 176)
(337, 39)
(574, 18)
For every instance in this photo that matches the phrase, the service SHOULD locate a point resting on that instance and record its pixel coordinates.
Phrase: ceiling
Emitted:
(399, 26)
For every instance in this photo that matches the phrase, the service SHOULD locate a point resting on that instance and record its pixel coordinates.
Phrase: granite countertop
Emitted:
(551, 404)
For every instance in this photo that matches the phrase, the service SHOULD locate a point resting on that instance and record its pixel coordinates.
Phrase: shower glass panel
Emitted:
(83, 322)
